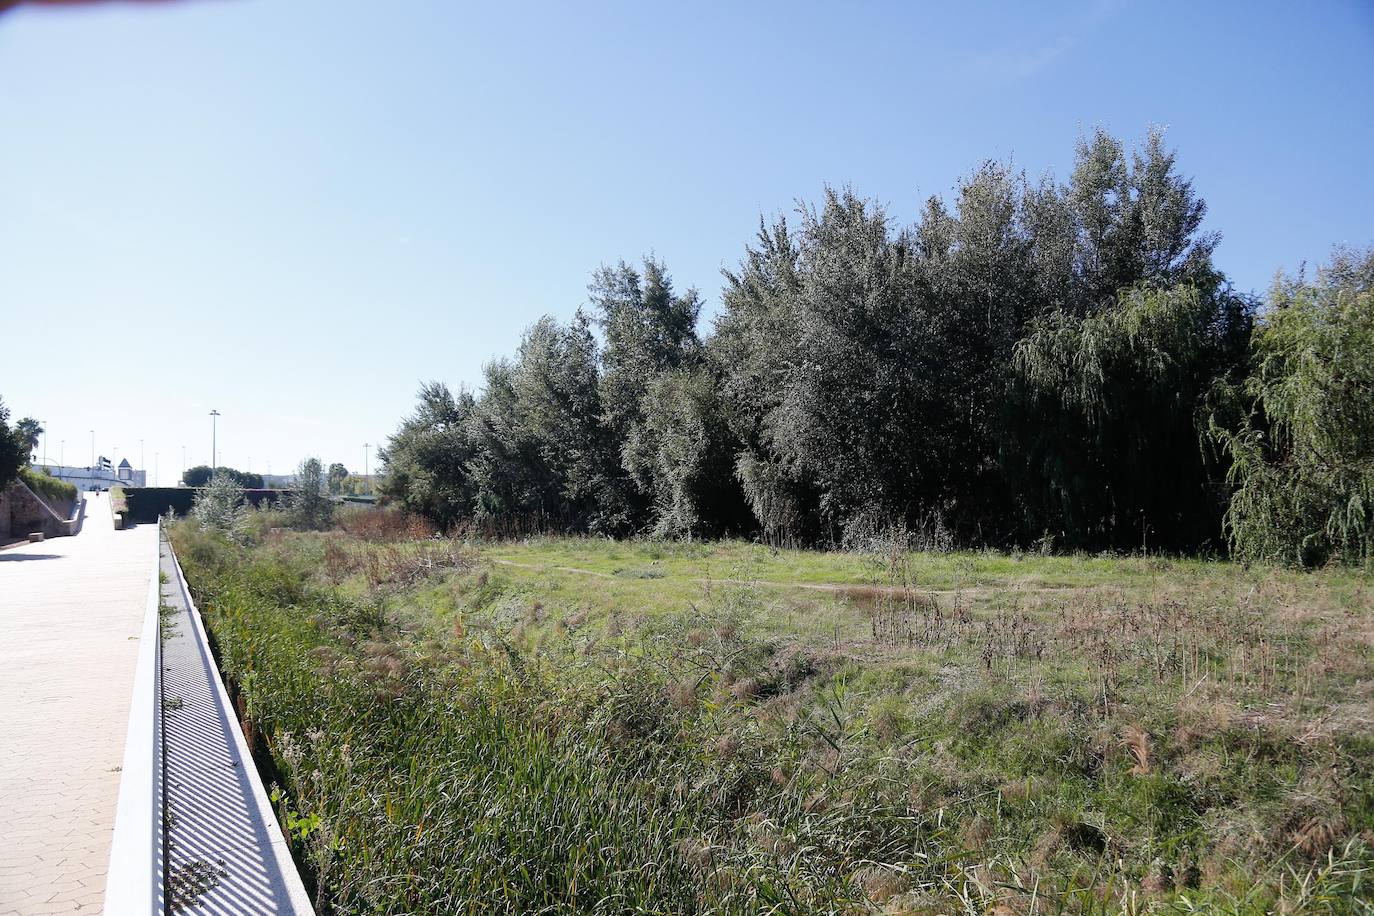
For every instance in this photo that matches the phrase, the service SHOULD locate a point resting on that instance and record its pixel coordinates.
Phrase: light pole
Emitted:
(45, 445)
(183, 464)
(142, 462)
(214, 415)
(92, 449)
(366, 481)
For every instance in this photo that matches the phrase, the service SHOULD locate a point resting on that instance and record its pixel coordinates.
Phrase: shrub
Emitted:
(220, 506)
(383, 523)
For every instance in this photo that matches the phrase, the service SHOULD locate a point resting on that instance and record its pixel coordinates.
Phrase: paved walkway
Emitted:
(71, 610)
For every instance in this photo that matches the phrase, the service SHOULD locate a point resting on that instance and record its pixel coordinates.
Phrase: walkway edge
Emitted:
(242, 757)
(134, 880)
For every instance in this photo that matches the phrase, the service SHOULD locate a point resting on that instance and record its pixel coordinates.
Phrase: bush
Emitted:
(220, 506)
(383, 523)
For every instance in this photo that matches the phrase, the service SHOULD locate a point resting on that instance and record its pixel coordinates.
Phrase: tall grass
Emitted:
(449, 742)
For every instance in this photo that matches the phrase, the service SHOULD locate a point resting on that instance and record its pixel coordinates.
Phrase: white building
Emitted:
(100, 477)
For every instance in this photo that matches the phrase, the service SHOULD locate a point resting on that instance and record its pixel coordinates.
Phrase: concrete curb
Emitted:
(134, 880)
(223, 813)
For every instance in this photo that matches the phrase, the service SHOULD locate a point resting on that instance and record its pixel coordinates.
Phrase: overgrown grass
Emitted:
(680, 728)
(47, 486)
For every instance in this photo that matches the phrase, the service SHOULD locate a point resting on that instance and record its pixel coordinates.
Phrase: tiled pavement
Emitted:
(71, 610)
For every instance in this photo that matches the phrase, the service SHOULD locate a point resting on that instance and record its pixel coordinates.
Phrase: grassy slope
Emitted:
(1105, 729)
(52, 489)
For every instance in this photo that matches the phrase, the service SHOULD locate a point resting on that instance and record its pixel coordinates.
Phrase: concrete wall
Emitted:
(24, 512)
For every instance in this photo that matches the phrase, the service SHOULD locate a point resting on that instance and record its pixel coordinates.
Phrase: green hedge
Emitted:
(146, 504)
(48, 487)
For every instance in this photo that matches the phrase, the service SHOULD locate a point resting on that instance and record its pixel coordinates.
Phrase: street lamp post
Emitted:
(367, 481)
(214, 445)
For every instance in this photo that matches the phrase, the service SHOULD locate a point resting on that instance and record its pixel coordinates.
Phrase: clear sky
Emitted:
(297, 211)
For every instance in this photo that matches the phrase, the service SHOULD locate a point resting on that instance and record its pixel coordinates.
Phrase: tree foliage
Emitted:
(219, 505)
(1027, 361)
(30, 433)
(14, 451)
(426, 460)
(1303, 453)
(1107, 418)
(308, 506)
(201, 474)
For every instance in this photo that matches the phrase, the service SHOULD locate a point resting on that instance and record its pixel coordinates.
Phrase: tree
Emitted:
(1302, 451)
(682, 453)
(868, 368)
(337, 474)
(648, 330)
(308, 506)
(14, 450)
(557, 404)
(1024, 358)
(201, 474)
(30, 433)
(1106, 419)
(424, 464)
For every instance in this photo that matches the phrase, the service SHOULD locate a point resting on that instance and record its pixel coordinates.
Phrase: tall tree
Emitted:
(1106, 420)
(30, 433)
(337, 474)
(308, 505)
(13, 451)
(1303, 451)
(648, 329)
(424, 464)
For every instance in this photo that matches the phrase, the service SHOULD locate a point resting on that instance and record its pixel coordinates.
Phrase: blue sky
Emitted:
(295, 212)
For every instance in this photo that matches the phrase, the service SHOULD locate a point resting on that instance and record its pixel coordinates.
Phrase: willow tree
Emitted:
(1106, 429)
(1303, 457)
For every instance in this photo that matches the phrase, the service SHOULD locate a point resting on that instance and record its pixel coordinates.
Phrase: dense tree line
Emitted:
(201, 475)
(1029, 362)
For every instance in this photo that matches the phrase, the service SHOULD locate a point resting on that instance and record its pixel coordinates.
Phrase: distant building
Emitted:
(101, 476)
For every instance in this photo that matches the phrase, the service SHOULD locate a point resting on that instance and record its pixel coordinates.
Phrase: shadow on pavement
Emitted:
(15, 557)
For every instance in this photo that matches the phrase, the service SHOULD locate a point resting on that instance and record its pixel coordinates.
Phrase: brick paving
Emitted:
(71, 610)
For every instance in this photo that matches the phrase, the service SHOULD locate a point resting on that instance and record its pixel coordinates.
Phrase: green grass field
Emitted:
(800, 731)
